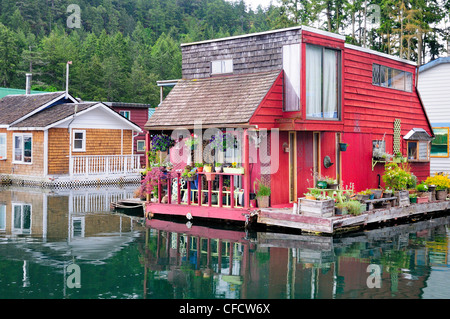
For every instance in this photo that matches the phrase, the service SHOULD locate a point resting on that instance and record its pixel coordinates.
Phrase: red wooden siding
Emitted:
(271, 106)
(279, 180)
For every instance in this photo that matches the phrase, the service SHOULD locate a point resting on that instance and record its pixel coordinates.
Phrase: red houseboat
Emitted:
(305, 103)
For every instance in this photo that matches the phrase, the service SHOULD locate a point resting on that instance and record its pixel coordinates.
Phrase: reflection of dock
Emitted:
(335, 224)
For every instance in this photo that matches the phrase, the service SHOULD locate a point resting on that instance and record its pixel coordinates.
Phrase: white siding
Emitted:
(434, 88)
(96, 118)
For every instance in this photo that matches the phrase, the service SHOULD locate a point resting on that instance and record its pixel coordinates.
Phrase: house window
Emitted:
(140, 146)
(418, 151)
(21, 222)
(291, 68)
(440, 144)
(2, 146)
(222, 66)
(125, 114)
(23, 144)
(323, 82)
(391, 78)
(2, 217)
(79, 141)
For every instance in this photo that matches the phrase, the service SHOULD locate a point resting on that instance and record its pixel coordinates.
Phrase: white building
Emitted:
(434, 88)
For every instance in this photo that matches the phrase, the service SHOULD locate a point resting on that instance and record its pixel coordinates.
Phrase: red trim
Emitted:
(235, 214)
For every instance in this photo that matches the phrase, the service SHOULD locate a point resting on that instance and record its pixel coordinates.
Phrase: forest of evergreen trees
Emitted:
(124, 46)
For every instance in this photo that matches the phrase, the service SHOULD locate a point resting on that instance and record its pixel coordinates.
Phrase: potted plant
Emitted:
(442, 183)
(218, 167)
(422, 190)
(199, 167)
(343, 147)
(189, 173)
(322, 182)
(191, 142)
(262, 195)
(234, 169)
(363, 195)
(207, 168)
(377, 193)
(413, 198)
(341, 208)
(322, 205)
(387, 193)
(355, 207)
(398, 178)
(332, 183)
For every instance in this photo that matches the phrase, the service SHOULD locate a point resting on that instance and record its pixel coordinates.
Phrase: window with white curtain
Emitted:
(291, 68)
(322, 82)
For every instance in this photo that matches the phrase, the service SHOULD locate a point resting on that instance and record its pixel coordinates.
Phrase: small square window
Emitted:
(79, 141)
(222, 66)
(418, 151)
(140, 145)
(125, 114)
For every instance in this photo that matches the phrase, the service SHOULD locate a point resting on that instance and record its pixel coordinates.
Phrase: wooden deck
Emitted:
(330, 225)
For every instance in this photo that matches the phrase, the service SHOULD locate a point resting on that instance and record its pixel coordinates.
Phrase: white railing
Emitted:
(104, 164)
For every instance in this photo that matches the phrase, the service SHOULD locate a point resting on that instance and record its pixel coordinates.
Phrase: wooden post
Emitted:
(220, 199)
(246, 170)
(189, 193)
(209, 193)
(178, 188)
(169, 190)
(159, 190)
(231, 191)
(199, 195)
(147, 148)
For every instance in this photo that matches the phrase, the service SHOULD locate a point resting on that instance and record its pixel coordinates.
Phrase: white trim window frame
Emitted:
(22, 148)
(140, 146)
(21, 218)
(126, 114)
(3, 147)
(79, 142)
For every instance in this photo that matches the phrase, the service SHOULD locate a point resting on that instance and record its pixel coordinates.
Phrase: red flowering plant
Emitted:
(149, 184)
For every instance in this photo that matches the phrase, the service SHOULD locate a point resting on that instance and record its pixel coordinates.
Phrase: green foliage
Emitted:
(124, 47)
(262, 190)
(397, 177)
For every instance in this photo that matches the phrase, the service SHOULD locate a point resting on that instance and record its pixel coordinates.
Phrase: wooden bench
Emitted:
(385, 202)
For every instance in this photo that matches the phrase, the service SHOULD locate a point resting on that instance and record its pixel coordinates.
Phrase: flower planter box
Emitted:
(423, 199)
(377, 193)
(402, 198)
(263, 201)
(441, 194)
(233, 170)
(318, 208)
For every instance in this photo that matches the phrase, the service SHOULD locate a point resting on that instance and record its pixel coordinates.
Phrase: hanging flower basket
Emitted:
(343, 147)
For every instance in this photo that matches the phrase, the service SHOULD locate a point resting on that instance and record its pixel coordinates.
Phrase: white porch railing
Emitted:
(89, 165)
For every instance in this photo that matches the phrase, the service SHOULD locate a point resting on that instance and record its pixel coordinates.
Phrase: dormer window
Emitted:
(222, 67)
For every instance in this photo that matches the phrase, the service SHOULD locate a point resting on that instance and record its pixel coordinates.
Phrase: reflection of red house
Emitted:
(138, 114)
(317, 91)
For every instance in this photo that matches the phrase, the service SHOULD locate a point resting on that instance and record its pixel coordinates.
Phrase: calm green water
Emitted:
(50, 241)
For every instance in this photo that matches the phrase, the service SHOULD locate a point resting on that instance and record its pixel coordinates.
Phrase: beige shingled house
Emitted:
(52, 139)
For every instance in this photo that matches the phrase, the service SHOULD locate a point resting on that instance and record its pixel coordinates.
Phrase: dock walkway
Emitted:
(284, 217)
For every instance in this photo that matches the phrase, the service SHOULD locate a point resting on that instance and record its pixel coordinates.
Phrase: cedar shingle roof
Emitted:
(13, 107)
(214, 101)
(53, 114)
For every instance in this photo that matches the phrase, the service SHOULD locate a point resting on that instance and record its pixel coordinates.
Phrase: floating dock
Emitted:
(285, 217)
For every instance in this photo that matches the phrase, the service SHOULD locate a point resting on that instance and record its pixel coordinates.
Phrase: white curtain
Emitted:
(330, 85)
(313, 81)
(291, 67)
